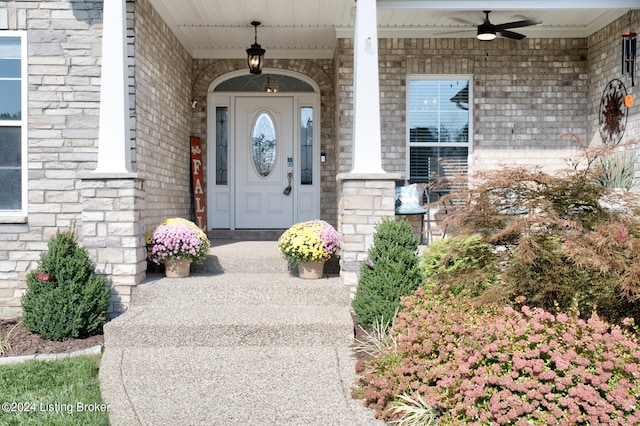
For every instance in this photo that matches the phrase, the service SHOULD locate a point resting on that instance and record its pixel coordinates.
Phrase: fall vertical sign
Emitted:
(199, 197)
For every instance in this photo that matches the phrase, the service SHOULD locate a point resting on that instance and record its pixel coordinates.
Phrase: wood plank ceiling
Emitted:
(309, 28)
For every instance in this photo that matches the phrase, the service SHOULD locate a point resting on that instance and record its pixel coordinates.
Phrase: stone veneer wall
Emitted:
(526, 94)
(64, 45)
(163, 117)
(205, 71)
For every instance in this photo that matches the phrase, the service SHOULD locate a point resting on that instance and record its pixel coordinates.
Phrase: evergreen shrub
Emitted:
(460, 265)
(65, 298)
(390, 272)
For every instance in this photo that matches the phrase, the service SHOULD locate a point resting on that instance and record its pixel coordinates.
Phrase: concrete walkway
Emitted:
(239, 342)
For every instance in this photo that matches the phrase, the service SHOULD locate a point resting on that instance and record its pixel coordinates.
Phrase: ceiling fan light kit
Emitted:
(485, 33)
(488, 31)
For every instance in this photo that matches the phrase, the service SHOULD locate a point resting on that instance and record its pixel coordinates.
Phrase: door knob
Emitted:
(287, 190)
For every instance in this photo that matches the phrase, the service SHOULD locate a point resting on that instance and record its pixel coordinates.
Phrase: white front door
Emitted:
(264, 173)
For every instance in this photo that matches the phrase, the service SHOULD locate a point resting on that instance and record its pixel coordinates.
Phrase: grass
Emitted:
(59, 392)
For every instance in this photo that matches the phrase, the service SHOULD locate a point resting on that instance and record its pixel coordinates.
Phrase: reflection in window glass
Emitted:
(10, 169)
(264, 144)
(10, 100)
(10, 51)
(306, 146)
(222, 143)
(10, 149)
(434, 164)
(10, 84)
(258, 83)
(439, 141)
(11, 125)
(439, 110)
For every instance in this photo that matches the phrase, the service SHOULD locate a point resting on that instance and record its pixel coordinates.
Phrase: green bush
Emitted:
(486, 365)
(391, 271)
(65, 298)
(461, 264)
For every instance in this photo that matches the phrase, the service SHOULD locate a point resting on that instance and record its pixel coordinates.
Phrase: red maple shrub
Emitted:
(480, 365)
(552, 238)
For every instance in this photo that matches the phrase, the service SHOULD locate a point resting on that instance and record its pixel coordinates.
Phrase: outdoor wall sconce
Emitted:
(629, 55)
(255, 53)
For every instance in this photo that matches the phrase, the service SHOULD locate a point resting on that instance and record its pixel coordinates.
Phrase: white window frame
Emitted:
(468, 144)
(19, 215)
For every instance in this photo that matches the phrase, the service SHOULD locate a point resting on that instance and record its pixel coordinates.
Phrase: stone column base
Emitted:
(113, 232)
(365, 198)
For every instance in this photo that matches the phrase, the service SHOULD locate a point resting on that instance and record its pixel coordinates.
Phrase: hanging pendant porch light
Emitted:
(255, 53)
(269, 86)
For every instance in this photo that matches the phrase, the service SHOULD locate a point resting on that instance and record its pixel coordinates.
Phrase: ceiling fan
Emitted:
(488, 31)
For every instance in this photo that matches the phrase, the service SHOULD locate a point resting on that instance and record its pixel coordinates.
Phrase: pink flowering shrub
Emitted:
(488, 365)
(173, 241)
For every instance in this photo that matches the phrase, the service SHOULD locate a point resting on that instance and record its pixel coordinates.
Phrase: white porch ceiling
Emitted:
(309, 28)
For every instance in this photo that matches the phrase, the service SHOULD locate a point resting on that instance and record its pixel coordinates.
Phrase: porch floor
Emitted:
(242, 341)
(222, 236)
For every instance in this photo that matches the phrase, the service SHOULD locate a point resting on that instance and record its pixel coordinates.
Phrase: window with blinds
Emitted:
(439, 117)
(12, 123)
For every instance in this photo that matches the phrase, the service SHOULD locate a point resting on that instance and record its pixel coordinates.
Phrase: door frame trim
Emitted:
(224, 217)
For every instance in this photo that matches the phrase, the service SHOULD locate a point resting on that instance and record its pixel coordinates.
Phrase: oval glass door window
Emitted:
(264, 144)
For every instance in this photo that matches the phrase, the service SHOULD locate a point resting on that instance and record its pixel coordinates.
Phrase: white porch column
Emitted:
(367, 156)
(114, 145)
(113, 228)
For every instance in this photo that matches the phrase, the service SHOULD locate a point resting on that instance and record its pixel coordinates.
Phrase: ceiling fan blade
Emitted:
(463, 21)
(516, 24)
(511, 34)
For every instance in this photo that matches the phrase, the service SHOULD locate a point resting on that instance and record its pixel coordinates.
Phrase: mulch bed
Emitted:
(24, 342)
(359, 335)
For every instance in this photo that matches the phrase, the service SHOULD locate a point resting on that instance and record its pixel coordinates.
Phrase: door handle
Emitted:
(287, 190)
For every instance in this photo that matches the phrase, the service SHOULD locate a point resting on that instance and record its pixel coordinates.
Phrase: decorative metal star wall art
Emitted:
(613, 112)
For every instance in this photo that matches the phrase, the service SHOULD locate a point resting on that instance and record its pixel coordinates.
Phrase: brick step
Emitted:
(241, 289)
(226, 326)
